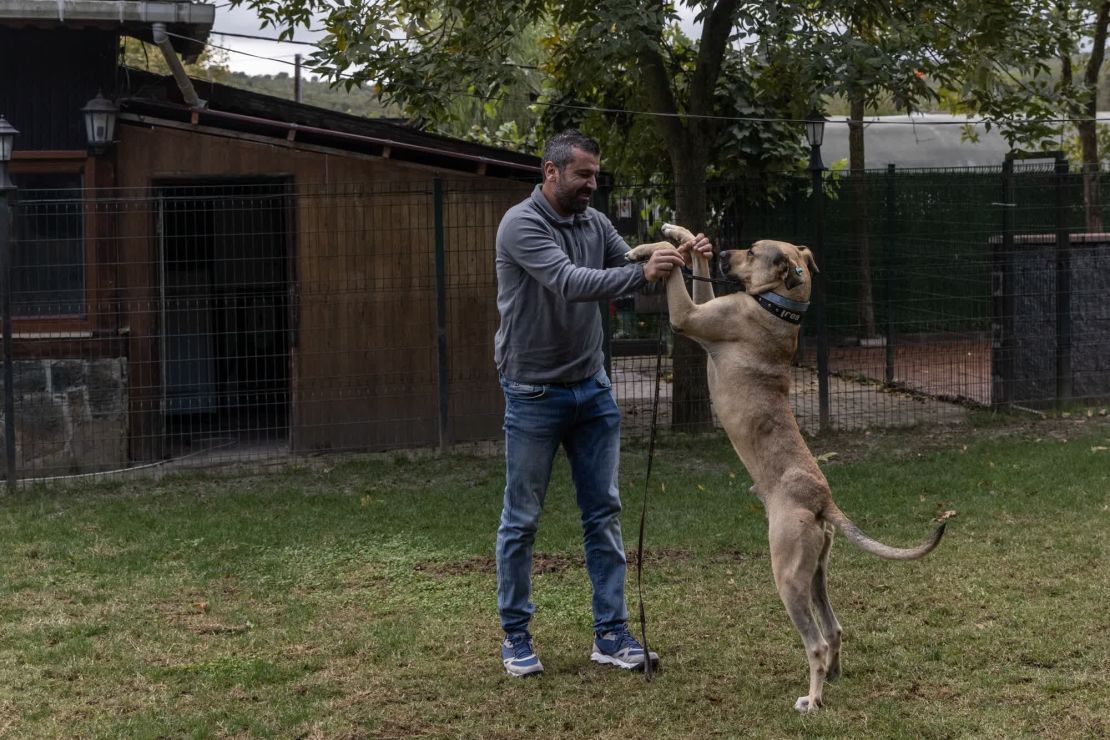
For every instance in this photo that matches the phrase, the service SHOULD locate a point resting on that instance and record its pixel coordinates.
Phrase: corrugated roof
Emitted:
(234, 109)
(923, 140)
(189, 22)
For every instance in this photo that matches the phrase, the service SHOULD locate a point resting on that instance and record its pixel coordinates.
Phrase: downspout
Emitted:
(162, 40)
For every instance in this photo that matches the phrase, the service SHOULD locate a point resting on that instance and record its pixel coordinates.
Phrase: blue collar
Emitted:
(782, 307)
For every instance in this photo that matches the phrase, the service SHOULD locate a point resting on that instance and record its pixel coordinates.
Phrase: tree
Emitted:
(1082, 102)
(1016, 88)
(873, 52)
(618, 55)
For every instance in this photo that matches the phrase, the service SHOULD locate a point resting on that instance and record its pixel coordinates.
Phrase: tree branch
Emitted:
(716, 31)
(1098, 47)
(660, 97)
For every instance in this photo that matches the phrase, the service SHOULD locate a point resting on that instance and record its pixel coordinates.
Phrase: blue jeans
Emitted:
(584, 419)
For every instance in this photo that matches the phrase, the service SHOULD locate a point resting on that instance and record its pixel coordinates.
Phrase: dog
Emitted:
(750, 338)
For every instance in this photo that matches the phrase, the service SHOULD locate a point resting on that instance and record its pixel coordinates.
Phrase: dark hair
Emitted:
(559, 149)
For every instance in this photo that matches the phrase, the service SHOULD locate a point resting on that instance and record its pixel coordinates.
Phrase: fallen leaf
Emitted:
(827, 457)
(946, 515)
(1099, 448)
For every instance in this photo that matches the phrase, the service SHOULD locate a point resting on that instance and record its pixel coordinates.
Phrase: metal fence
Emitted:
(194, 323)
(945, 290)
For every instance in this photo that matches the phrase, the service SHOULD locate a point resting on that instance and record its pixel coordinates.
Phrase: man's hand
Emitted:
(662, 262)
(699, 244)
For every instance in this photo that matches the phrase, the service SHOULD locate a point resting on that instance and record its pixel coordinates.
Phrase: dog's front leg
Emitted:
(703, 289)
(686, 317)
(679, 303)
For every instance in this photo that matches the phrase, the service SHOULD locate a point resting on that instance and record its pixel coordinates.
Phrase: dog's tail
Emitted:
(849, 529)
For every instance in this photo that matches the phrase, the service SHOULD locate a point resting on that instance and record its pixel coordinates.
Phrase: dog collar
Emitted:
(782, 307)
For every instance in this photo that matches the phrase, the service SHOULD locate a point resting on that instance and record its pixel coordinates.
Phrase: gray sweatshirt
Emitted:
(551, 272)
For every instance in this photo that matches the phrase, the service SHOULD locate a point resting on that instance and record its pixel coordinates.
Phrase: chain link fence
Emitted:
(198, 322)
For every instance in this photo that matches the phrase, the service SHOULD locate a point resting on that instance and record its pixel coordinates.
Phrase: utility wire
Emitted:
(262, 38)
(686, 116)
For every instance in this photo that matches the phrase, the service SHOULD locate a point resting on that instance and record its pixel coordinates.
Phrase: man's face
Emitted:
(574, 185)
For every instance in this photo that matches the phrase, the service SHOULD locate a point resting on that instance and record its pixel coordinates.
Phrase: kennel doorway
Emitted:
(225, 266)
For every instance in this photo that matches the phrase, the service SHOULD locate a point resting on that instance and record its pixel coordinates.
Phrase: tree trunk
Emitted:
(1088, 140)
(864, 296)
(1088, 144)
(690, 411)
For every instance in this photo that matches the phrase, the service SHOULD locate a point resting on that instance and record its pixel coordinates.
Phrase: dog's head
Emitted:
(770, 264)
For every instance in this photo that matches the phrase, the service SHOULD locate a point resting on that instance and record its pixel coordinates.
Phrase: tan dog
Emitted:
(750, 338)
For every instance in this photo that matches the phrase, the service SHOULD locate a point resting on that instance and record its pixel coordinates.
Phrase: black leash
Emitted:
(661, 345)
(686, 273)
(649, 669)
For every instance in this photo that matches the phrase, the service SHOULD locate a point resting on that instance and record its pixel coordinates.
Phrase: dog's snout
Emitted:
(725, 258)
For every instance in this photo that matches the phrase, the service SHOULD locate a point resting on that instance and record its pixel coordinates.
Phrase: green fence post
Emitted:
(441, 315)
(1063, 288)
(891, 216)
(6, 249)
(820, 295)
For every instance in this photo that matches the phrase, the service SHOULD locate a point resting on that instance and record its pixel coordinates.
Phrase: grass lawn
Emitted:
(354, 597)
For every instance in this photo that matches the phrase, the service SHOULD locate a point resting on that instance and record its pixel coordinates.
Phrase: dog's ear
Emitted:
(808, 255)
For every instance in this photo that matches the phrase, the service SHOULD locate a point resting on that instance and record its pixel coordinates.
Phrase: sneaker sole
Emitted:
(534, 671)
(610, 660)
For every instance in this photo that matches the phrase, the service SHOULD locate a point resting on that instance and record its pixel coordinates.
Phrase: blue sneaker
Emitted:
(618, 647)
(518, 656)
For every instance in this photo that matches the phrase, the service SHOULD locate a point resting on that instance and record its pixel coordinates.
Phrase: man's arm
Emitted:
(530, 245)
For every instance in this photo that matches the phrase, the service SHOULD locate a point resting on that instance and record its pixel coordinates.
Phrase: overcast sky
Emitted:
(279, 57)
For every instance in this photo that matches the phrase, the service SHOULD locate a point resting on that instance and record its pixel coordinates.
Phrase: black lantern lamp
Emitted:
(100, 122)
(815, 136)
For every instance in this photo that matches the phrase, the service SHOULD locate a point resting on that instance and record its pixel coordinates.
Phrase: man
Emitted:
(556, 258)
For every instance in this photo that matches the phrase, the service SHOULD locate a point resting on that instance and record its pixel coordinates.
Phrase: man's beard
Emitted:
(569, 201)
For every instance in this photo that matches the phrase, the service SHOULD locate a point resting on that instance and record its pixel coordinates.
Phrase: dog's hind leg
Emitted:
(829, 624)
(797, 541)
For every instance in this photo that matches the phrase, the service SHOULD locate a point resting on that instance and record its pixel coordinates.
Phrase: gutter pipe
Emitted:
(188, 92)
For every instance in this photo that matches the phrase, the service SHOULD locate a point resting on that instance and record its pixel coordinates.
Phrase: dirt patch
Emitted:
(901, 444)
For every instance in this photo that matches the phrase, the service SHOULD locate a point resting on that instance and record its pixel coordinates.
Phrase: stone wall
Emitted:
(70, 416)
(1025, 335)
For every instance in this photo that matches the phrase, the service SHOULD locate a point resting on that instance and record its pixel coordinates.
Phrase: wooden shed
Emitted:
(254, 274)
(377, 241)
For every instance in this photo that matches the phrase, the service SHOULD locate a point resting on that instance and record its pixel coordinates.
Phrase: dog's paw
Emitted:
(642, 252)
(806, 705)
(677, 234)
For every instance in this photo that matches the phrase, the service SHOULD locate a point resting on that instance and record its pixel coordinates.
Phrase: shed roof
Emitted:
(189, 22)
(920, 140)
(146, 95)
